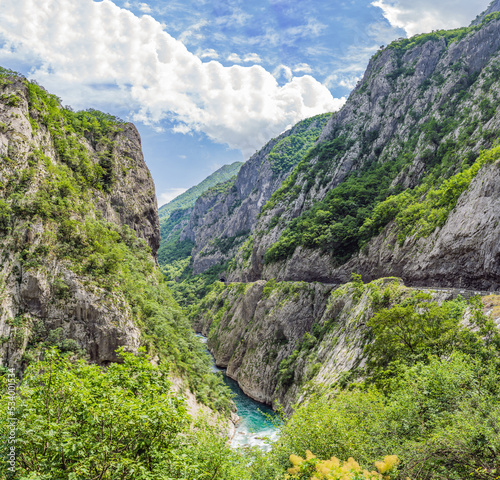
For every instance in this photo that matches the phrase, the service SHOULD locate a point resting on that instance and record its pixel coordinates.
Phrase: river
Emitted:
(255, 427)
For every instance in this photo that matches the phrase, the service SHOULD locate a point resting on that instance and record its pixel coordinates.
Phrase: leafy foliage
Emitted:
(334, 223)
(421, 210)
(362, 205)
(440, 418)
(313, 468)
(414, 329)
(107, 257)
(78, 421)
(65, 126)
(291, 149)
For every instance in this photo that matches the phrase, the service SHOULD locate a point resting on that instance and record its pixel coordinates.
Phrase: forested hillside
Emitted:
(369, 278)
(79, 233)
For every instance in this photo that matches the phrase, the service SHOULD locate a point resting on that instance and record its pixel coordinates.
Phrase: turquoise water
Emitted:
(256, 427)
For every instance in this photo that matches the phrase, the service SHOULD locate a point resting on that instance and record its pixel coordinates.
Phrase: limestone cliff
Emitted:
(402, 182)
(224, 216)
(68, 182)
(492, 8)
(283, 340)
(428, 106)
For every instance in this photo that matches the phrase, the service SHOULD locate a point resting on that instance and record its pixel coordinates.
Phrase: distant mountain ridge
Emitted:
(189, 197)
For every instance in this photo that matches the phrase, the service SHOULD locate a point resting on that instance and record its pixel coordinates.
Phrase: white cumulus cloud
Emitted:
(302, 68)
(423, 16)
(96, 50)
(252, 58)
(144, 7)
(234, 58)
(208, 53)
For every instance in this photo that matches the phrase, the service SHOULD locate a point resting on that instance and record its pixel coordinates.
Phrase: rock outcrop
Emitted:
(280, 340)
(224, 216)
(417, 97)
(54, 181)
(428, 105)
(494, 7)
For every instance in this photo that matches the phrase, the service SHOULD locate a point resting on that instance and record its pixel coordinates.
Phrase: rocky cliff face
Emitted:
(414, 154)
(493, 7)
(281, 340)
(422, 101)
(224, 216)
(251, 328)
(68, 183)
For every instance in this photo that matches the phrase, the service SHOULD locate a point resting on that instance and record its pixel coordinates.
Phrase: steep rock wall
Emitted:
(224, 216)
(406, 87)
(283, 340)
(53, 182)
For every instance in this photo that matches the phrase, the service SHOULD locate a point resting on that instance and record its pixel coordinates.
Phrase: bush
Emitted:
(312, 468)
(79, 421)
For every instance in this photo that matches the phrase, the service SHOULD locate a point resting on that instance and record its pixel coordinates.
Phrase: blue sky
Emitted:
(208, 82)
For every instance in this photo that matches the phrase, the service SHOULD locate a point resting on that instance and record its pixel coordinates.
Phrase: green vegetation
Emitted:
(188, 198)
(326, 154)
(312, 468)
(441, 419)
(65, 126)
(222, 189)
(172, 252)
(334, 223)
(449, 36)
(60, 194)
(429, 394)
(174, 257)
(421, 210)
(289, 151)
(225, 244)
(190, 288)
(361, 206)
(79, 421)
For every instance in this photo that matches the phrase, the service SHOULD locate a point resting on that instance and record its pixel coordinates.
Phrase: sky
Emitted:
(208, 83)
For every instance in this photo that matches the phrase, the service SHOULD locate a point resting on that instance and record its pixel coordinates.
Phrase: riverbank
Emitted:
(257, 424)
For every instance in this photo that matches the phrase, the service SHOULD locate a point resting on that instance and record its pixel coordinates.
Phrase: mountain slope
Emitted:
(189, 197)
(174, 254)
(79, 232)
(415, 124)
(492, 8)
(403, 181)
(224, 216)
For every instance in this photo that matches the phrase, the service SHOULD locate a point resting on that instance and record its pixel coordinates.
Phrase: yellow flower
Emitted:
(309, 455)
(389, 462)
(332, 463)
(352, 464)
(323, 468)
(294, 470)
(296, 460)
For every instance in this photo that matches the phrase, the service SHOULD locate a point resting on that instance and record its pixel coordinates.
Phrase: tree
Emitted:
(80, 421)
